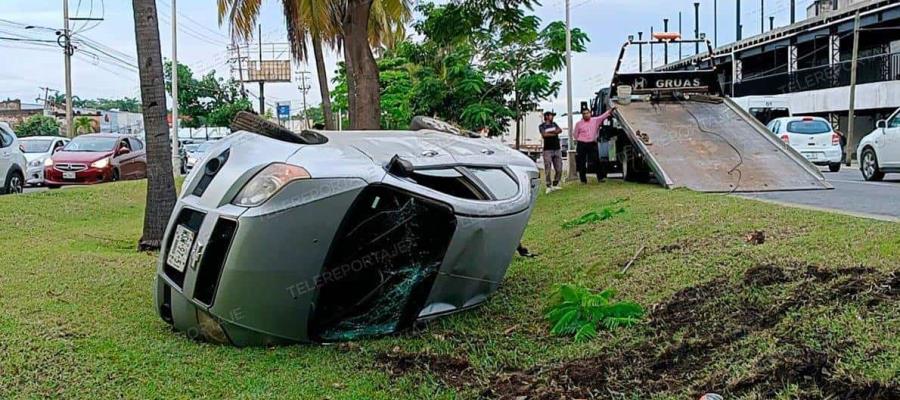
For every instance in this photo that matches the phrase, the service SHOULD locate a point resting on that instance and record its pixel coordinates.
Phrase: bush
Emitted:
(580, 312)
(38, 125)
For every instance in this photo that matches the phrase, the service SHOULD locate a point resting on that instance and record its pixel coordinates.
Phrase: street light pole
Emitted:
(851, 118)
(176, 159)
(570, 120)
(67, 50)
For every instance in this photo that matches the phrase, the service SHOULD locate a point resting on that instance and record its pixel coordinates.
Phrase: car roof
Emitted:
(800, 118)
(41, 137)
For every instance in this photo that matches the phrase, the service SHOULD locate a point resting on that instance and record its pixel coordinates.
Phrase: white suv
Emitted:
(879, 152)
(12, 162)
(812, 137)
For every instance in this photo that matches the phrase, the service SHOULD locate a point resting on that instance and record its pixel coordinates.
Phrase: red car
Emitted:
(96, 158)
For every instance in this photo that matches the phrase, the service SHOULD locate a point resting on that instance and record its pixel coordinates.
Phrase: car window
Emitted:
(808, 127)
(136, 144)
(36, 145)
(496, 181)
(5, 138)
(895, 122)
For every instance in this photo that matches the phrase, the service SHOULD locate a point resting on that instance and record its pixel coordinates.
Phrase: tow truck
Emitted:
(678, 128)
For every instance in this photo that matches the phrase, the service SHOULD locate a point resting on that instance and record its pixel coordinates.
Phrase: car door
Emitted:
(6, 154)
(889, 156)
(124, 161)
(140, 158)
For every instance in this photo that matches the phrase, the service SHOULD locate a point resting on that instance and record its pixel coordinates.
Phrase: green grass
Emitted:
(77, 319)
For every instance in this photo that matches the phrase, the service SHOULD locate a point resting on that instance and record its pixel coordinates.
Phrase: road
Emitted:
(851, 195)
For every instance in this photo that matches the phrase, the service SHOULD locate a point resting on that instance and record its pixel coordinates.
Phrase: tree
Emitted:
(160, 178)
(83, 125)
(209, 101)
(38, 125)
(352, 25)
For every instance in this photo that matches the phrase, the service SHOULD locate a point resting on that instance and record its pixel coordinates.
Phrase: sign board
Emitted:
(284, 110)
(268, 71)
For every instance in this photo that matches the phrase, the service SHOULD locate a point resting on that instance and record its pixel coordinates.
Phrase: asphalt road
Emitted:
(851, 195)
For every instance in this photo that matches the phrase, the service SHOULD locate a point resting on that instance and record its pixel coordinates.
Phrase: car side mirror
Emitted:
(881, 124)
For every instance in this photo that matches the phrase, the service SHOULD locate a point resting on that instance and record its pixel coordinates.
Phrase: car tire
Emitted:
(869, 166)
(834, 167)
(15, 183)
(115, 175)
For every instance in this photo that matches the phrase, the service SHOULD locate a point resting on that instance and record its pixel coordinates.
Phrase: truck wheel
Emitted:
(869, 166)
(633, 168)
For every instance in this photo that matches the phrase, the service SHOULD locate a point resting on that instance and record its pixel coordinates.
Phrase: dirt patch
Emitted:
(692, 338)
(453, 371)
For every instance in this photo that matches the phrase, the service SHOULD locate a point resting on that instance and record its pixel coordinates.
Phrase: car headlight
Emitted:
(101, 163)
(268, 182)
(36, 163)
(48, 162)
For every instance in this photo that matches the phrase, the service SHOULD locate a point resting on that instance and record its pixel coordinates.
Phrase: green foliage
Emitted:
(128, 104)
(208, 101)
(38, 125)
(83, 125)
(594, 216)
(579, 312)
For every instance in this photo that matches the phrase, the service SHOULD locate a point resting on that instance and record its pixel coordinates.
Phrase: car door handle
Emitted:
(487, 151)
(429, 153)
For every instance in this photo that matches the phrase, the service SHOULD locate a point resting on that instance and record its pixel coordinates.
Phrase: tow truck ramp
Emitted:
(679, 126)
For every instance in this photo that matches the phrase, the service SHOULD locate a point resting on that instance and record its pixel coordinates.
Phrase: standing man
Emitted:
(552, 154)
(586, 152)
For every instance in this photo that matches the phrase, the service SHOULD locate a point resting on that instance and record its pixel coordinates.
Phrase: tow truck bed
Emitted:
(714, 146)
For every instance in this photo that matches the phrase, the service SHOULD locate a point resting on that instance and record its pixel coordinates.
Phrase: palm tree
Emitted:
(335, 23)
(83, 125)
(160, 180)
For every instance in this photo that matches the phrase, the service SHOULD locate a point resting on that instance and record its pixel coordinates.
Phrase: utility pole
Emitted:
(715, 23)
(176, 156)
(851, 120)
(738, 24)
(46, 99)
(650, 40)
(569, 80)
(697, 27)
(680, 56)
(262, 84)
(762, 16)
(237, 48)
(68, 50)
(793, 11)
(771, 23)
(303, 89)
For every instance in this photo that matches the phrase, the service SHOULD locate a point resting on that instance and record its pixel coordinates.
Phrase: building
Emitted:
(13, 112)
(808, 63)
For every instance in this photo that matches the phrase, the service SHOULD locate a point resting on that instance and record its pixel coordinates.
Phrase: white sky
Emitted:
(202, 42)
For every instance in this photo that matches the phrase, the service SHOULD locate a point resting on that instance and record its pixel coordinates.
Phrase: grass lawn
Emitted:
(813, 311)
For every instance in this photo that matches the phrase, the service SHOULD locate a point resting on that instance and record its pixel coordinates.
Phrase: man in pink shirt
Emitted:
(586, 152)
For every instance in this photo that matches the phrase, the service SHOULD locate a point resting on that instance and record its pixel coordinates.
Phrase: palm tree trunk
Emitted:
(362, 71)
(323, 82)
(160, 181)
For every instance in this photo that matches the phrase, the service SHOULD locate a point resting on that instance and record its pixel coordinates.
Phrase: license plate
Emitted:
(811, 156)
(68, 175)
(182, 241)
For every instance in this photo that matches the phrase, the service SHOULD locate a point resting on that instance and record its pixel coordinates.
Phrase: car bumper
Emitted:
(34, 176)
(827, 156)
(253, 275)
(84, 177)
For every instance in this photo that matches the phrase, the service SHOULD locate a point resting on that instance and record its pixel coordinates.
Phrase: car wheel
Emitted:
(834, 167)
(115, 175)
(15, 183)
(869, 166)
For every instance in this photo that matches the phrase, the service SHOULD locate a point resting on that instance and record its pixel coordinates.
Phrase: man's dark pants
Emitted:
(587, 156)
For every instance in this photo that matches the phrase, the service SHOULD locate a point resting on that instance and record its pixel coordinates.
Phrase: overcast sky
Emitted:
(202, 42)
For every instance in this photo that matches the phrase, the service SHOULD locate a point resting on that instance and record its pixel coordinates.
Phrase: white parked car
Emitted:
(813, 137)
(37, 150)
(12, 162)
(879, 152)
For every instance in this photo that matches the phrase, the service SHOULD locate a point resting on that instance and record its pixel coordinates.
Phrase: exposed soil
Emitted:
(693, 337)
(452, 371)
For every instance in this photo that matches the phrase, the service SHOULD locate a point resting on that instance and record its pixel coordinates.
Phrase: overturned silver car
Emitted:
(329, 236)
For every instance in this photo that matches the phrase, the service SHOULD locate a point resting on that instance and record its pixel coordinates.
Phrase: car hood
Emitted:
(35, 156)
(79, 156)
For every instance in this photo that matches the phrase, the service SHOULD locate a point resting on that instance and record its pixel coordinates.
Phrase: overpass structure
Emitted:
(808, 64)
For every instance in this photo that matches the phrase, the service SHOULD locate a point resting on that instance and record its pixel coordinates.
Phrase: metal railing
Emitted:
(877, 68)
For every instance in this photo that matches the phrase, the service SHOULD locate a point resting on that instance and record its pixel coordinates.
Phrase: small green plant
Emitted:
(581, 312)
(593, 216)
